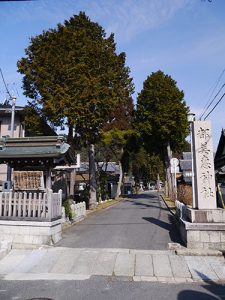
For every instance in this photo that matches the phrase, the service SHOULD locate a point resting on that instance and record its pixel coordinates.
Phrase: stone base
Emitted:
(205, 215)
(203, 235)
(30, 233)
(201, 229)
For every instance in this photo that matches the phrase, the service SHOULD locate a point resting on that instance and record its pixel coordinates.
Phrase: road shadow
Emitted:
(216, 289)
(145, 205)
(189, 295)
(143, 196)
(170, 226)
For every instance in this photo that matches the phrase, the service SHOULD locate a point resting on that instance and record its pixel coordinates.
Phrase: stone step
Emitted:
(61, 263)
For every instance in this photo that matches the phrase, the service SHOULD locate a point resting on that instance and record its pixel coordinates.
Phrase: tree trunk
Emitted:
(92, 178)
(70, 135)
(118, 191)
(168, 171)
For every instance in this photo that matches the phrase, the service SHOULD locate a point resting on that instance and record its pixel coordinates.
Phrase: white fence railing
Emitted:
(79, 210)
(30, 206)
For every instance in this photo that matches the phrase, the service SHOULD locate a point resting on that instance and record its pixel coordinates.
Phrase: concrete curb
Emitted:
(5, 248)
(198, 252)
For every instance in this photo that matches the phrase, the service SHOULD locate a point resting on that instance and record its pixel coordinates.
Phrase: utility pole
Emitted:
(9, 169)
(13, 116)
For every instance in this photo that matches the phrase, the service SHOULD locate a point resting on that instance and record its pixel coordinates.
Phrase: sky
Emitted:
(183, 38)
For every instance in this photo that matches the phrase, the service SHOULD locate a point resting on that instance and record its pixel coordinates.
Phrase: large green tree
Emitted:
(116, 133)
(161, 116)
(74, 75)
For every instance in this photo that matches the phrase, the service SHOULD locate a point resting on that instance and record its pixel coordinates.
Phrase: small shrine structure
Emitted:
(30, 213)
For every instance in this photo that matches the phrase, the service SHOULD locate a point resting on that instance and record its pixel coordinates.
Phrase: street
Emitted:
(116, 253)
(102, 288)
(142, 222)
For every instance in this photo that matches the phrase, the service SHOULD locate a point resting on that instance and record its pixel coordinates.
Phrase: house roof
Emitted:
(111, 167)
(38, 150)
(7, 109)
(220, 152)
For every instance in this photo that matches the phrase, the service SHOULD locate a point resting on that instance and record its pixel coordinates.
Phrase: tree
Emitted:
(36, 124)
(161, 116)
(116, 133)
(146, 167)
(74, 75)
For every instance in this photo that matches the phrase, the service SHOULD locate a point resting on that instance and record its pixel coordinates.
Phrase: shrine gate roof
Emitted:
(52, 149)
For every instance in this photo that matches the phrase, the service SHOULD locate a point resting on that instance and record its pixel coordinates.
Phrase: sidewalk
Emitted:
(60, 263)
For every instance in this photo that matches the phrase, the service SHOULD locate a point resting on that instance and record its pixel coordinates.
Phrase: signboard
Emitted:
(28, 180)
(174, 164)
(205, 193)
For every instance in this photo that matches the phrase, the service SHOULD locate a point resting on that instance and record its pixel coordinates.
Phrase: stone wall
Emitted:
(209, 233)
(30, 233)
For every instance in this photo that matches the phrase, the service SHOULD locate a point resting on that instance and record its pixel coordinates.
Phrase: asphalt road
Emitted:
(102, 288)
(142, 222)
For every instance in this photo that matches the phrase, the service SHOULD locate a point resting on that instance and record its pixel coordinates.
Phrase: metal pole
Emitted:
(192, 167)
(13, 116)
(9, 169)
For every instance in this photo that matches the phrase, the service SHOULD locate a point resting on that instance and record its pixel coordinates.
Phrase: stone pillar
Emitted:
(48, 177)
(205, 193)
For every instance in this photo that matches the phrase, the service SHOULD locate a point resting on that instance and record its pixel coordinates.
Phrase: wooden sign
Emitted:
(28, 180)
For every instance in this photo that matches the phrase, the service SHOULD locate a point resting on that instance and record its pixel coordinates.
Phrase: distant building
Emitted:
(5, 129)
(186, 167)
(219, 159)
(19, 130)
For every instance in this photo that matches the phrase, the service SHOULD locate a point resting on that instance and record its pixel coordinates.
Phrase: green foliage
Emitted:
(36, 124)
(68, 210)
(145, 167)
(117, 131)
(103, 180)
(161, 115)
(74, 75)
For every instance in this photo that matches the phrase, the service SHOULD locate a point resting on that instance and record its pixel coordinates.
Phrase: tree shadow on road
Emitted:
(170, 226)
(145, 205)
(217, 289)
(144, 196)
(189, 294)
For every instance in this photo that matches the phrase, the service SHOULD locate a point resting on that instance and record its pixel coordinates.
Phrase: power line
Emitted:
(212, 101)
(215, 106)
(213, 90)
(3, 79)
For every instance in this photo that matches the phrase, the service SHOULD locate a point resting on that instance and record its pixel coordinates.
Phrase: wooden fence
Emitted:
(30, 206)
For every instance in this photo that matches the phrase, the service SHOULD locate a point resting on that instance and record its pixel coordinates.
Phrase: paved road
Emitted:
(143, 222)
(101, 288)
(90, 267)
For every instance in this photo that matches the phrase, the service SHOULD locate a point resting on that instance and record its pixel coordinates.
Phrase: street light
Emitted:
(191, 119)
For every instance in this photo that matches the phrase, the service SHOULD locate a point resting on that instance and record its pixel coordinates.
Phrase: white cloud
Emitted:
(129, 17)
(126, 18)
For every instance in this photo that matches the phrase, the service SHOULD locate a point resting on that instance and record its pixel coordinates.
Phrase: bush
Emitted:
(184, 194)
(68, 210)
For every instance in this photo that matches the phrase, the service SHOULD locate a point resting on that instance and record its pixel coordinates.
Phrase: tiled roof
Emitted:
(35, 147)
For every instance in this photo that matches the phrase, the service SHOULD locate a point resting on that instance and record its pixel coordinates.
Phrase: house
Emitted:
(5, 129)
(186, 167)
(184, 187)
(19, 130)
(219, 162)
(219, 159)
